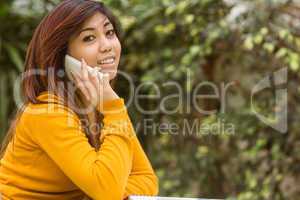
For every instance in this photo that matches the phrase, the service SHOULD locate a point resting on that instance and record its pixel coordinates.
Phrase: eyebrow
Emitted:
(92, 29)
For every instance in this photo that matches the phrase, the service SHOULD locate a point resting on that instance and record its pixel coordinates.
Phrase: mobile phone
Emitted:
(73, 66)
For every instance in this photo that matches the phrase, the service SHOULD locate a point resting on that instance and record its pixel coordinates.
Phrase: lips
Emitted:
(107, 61)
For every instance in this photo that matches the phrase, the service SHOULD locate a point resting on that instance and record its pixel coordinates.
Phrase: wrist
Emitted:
(110, 95)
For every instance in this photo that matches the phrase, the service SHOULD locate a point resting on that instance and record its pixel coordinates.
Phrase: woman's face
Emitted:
(97, 43)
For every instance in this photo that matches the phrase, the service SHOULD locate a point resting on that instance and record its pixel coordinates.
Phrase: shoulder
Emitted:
(50, 111)
(49, 117)
(49, 122)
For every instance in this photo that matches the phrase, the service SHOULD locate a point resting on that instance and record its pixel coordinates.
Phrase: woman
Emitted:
(52, 149)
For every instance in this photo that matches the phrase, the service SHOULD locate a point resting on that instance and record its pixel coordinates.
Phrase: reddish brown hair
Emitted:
(47, 50)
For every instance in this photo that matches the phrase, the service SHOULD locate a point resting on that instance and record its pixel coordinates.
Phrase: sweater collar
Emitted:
(49, 97)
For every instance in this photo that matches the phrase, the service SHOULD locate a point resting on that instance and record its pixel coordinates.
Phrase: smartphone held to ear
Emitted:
(73, 66)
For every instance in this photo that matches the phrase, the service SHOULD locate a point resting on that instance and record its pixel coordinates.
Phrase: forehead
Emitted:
(97, 20)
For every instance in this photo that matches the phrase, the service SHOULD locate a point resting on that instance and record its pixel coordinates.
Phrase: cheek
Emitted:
(117, 47)
(89, 53)
(78, 50)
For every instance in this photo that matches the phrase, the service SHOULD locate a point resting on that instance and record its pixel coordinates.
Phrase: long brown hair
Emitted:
(46, 51)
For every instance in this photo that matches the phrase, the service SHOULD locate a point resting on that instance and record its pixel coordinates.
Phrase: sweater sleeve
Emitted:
(142, 179)
(97, 174)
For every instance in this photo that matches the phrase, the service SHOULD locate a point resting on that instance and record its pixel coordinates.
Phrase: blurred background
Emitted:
(236, 42)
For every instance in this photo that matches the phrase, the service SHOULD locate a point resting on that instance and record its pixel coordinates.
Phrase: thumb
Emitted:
(104, 77)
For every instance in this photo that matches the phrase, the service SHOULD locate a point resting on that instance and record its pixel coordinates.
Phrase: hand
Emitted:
(94, 85)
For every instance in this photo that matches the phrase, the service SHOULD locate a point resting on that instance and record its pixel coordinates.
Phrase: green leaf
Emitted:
(248, 43)
(14, 56)
(4, 101)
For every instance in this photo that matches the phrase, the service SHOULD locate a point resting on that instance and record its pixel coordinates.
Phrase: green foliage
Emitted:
(191, 41)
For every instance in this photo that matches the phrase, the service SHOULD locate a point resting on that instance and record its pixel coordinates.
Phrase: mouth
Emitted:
(107, 62)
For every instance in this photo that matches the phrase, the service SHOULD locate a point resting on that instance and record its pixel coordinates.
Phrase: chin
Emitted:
(112, 75)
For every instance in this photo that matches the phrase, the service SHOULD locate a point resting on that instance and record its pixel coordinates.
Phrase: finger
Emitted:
(105, 78)
(85, 77)
(104, 83)
(91, 87)
(95, 85)
(84, 69)
(84, 90)
(94, 79)
(101, 81)
(74, 78)
(80, 84)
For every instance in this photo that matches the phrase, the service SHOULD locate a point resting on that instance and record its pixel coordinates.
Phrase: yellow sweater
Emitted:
(50, 157)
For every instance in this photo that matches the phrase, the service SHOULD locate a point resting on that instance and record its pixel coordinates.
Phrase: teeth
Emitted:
(107, 61)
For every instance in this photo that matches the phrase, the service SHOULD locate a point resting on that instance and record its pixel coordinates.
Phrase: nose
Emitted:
(105, 45)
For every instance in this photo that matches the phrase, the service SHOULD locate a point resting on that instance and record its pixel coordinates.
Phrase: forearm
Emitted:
(142, 179)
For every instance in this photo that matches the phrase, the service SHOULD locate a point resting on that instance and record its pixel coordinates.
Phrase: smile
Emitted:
(109, 60)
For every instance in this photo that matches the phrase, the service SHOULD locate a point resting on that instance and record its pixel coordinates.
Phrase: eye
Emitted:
(88, 38)
(110, 32)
